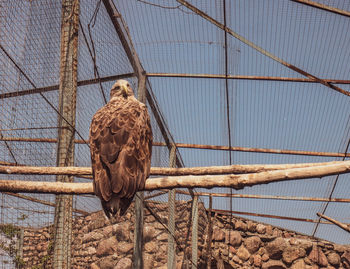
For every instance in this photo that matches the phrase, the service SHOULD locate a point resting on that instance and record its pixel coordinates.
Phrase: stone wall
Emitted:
(246, 244)
(239, 243)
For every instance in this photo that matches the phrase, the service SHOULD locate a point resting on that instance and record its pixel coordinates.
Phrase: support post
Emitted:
(139, 212)
(65, 145)
(171, 219)
(194, 242)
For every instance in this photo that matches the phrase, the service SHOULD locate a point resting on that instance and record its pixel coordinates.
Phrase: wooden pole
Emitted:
(162, 171)
(209, 181)
(345, 227)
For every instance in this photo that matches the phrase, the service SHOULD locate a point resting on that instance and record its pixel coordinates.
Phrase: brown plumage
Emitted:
(121, 148)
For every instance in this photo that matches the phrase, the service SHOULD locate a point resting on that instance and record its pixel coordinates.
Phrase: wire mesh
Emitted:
(169, 38)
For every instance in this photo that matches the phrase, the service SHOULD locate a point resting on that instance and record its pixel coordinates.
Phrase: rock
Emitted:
(162, 237)
(124, 263)
(339, 248)
(252, 244)
(275, 248)
(106, 247)
(107, 262)
(251, 226)
(125, 248)
(107, 231)
(148, 261)
(92, 236)
(299, 264)
(121, 231)
(151, 247)
(269, 230)
(243, 253)
(94, 266)
(234, 238)
(149, 232)
(241, 226)
(292, 253)
(317, 256)
(333, 258)
(218, 234)
(257, 261)
(91, 251)
(346, 257)
(261, 228)
(265, 257)
(273, 265)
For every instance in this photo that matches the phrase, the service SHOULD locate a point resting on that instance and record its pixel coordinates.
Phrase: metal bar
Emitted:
(210, 232)
(65, 144)
(35, 200)
(243, 77)
(194, 240)
(55, 87)
(171, 211)
(259, 150)
(323, 7)
(272, 197)
(198, 146)
(227, 212)
(261, 50)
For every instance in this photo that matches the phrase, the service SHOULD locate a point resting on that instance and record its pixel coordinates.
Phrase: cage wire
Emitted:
(248, 112)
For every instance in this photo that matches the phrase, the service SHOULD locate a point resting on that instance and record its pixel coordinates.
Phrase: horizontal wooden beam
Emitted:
(197, 146)
(55, 87)
(243, 77)
(161, 171)
(209, 181)
(324, 7)
(270, 197)
(228, 212)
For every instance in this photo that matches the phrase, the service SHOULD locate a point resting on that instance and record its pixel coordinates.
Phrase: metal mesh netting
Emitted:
(263, 105)
(30, 51)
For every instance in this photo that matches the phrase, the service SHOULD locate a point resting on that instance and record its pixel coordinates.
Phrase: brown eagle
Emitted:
(121, 147)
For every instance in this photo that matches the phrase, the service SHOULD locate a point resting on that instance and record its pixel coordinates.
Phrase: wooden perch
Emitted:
(338, 223)
(161, 171)
(209, 181)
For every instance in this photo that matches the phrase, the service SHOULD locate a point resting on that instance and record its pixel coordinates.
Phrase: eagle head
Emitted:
(121, 88)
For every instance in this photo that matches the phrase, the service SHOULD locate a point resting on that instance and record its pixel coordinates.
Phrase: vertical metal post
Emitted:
(138, 229)
(171, 217)
(210, 232)
(194, 243)
(65, 145)
(19, 247)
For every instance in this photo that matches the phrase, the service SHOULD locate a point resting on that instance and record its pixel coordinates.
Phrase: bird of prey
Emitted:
(121, 147)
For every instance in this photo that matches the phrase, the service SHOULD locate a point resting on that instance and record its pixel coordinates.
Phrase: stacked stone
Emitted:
(237, 243)
(247, 244)
(36, 247)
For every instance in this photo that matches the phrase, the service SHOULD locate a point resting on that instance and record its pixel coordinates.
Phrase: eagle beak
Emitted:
(125, 91)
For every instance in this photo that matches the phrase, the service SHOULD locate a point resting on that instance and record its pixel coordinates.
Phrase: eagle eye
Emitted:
(128, 85)
(118, 87)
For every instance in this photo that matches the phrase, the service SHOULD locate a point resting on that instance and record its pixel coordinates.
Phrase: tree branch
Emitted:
(207, 181)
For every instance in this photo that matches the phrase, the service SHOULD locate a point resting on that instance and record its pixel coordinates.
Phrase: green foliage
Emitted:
(9, 230)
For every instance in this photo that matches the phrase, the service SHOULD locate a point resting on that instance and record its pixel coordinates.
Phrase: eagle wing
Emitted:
(121, 147)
